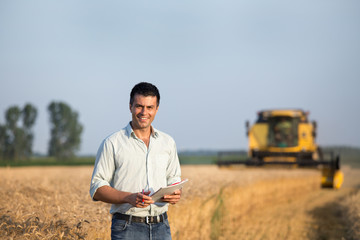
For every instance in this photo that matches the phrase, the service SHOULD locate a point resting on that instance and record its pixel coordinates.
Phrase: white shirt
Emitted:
(125, 163)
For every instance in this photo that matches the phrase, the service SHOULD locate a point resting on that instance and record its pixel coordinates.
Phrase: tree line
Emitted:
(17, 136)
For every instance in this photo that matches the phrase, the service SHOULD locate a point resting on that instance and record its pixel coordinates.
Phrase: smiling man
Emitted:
(131, 164)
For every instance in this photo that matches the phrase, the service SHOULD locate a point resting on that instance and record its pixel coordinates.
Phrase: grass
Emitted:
(197, 160)
(89, 161)
(217, 217)
(348, 156)
(351, 160)
(48, 161)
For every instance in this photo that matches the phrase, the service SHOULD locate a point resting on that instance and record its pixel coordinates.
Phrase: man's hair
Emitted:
(145, 89)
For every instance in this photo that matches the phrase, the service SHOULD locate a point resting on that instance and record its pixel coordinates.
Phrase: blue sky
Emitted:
(216, 63)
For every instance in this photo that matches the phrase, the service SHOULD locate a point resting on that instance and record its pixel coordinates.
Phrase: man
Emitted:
(283, 133)
(131, 164)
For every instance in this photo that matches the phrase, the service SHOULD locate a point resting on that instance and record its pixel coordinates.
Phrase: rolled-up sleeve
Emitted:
(104, 167)
(173, 171)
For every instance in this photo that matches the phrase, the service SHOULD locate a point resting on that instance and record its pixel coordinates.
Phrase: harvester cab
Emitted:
(286, 137)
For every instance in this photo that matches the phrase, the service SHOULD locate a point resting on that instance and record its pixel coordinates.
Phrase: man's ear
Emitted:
(130, 107)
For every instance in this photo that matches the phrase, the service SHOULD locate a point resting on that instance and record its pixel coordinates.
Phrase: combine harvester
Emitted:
(286, 137)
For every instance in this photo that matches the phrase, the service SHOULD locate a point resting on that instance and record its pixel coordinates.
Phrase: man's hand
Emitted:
(173, 198)
(111, 195)
(140, 200)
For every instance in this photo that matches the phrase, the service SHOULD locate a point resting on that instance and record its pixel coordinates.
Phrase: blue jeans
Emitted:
(122, 229)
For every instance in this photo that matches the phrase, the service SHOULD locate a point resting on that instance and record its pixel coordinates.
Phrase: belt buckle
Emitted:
(147, 220)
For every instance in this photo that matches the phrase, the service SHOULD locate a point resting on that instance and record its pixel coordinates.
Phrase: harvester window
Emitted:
(283, 131)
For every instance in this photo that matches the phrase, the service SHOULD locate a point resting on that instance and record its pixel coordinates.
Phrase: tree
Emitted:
(16, 141)
(29, 114)
(12, 116)
(65, 131)
(13, 133)
(3, 141)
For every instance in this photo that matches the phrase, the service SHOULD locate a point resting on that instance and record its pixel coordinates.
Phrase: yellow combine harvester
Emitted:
(286, 137)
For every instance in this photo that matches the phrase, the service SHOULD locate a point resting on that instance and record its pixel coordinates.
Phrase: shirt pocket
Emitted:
(161, 163)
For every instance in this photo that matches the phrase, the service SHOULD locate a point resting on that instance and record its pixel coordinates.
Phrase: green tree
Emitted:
(65, 131)
(3, 141)
(12, 117)
(16, 141)
(14, 135)
(29, 114)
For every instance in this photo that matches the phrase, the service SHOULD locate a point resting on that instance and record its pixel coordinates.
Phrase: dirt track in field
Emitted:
(314, 214)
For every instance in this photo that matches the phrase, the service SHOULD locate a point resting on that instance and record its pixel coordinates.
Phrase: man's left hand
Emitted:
(173, 198)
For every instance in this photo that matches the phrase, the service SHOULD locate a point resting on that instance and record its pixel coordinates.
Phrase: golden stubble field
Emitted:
(235, 203)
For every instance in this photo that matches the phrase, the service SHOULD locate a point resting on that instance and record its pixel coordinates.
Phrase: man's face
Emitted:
(143, 111)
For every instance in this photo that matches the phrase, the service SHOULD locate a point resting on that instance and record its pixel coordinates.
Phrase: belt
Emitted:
(147, 219)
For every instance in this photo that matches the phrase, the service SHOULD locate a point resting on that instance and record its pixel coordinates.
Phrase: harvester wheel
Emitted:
(332, 176)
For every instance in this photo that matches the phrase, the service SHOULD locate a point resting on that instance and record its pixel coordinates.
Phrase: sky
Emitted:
(216, 64)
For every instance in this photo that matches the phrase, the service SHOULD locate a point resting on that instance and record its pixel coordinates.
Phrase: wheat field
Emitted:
(217, 203)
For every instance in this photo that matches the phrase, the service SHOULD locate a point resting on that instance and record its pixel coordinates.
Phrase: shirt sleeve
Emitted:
(104, 167)
(173, 171)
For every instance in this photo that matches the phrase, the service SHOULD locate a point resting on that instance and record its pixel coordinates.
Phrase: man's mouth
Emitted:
(143, 118)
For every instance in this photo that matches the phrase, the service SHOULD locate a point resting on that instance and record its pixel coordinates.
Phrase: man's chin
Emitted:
(141, 125)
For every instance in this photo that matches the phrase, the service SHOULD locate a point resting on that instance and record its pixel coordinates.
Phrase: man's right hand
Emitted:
(140, 200)
(110, 195)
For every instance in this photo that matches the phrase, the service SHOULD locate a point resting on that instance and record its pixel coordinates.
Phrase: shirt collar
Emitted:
(130, 131)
